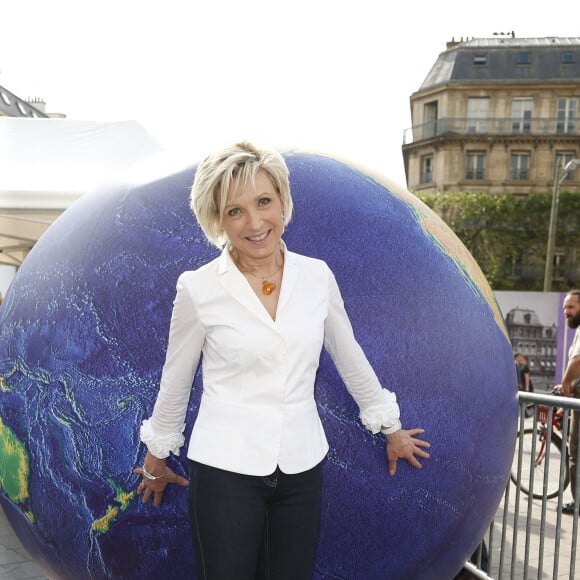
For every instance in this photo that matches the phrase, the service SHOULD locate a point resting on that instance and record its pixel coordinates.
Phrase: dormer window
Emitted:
(568, 58)
(524, 58)
(480, 59)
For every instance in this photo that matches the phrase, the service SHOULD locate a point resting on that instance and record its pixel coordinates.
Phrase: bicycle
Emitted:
(533, 468)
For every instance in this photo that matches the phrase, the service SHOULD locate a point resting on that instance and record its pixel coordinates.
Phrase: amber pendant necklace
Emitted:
(268, 287)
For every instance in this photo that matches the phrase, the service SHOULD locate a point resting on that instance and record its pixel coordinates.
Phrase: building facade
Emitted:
(538, 342)
(496, 115)
(49, 162)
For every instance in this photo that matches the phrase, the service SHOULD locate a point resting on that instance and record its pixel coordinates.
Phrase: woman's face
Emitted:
(253, 220)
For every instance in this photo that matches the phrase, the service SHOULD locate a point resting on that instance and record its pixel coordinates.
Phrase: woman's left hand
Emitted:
(403, 444)
(156, 487)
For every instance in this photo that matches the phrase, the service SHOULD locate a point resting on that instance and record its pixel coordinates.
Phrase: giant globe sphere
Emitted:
(83, 332)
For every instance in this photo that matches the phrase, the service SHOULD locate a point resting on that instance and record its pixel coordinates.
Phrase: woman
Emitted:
(260, 316)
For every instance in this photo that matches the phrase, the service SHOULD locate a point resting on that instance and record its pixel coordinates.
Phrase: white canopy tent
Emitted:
(47, 164)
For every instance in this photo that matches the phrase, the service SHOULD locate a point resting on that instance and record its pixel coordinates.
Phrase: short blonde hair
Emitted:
(238, 164)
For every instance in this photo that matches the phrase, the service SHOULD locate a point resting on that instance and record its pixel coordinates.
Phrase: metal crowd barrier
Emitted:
(529, 536)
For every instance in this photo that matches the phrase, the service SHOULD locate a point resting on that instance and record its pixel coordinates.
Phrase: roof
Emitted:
(13, 106)
(522, 317)
(524, 60)
(47, 164)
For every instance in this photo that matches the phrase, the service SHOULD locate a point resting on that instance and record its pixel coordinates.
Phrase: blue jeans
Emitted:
(249, 527)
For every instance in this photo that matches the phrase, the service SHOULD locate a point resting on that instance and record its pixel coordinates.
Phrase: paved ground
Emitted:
(15, 563)
(533, 550)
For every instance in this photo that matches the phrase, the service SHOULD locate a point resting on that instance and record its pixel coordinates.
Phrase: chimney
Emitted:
(37, 103)
(452, 43)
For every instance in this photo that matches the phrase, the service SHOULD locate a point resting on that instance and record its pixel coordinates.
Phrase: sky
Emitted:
(326, 76)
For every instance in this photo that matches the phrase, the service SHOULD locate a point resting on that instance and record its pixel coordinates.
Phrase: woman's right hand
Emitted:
(164, 476)
(403, 444)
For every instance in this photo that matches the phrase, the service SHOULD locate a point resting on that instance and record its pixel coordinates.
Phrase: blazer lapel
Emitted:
(290, 278)
(236, 285)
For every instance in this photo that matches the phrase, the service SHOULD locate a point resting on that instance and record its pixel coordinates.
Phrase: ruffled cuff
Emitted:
(383, 418)
(161, 445)
(388, 430)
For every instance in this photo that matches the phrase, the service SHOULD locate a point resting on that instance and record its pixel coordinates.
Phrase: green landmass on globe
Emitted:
(123, 498)
(15, 467)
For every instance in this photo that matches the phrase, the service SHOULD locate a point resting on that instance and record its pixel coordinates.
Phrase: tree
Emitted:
(507, 235)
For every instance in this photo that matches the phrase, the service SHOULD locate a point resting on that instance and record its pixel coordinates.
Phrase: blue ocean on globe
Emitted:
(83, 332)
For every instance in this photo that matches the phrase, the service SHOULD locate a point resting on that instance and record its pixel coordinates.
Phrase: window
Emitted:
(568, 58)
(560, 162)
(566, 115)
(522, 115)
(427, 169)
(477, 112)
(430, 116)
(524, 58)
(519, 166)
(475, 165)
(480, 59)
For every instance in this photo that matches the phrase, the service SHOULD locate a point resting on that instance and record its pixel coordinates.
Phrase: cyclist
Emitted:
(570, 384)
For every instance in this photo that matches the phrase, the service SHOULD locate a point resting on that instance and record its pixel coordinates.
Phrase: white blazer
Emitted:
(257, 409)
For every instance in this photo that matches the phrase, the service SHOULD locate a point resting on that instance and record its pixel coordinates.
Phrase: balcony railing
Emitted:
(465, 126)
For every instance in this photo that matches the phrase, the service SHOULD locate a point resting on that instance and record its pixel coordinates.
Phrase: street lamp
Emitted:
(560, 176)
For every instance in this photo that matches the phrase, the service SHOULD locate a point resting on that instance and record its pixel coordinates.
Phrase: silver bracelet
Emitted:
(153, 477)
